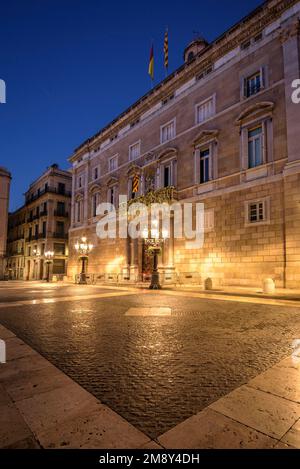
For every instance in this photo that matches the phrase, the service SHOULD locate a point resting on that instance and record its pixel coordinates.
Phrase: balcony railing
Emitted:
(59, 213)
(60, 235)
(51, 190)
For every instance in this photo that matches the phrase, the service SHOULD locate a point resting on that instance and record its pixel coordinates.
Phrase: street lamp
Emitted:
(154, 242)
(36, 255)
(49, 256)
(83, 248)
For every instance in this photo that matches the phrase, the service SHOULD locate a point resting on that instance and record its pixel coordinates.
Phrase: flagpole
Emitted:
(166, 51)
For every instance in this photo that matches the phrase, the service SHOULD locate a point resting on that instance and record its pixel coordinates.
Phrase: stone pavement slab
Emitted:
(282, 381)
(99, 428)
(261, 411)
(211, 430)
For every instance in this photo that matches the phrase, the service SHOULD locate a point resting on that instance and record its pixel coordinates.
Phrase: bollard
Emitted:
(268, 286)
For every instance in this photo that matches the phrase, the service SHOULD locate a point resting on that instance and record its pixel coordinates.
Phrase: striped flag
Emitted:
(151, 63)
(135, 184)
(166, 49)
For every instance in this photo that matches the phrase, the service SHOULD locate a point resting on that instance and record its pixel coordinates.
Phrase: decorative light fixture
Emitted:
(83, 248)
(154, 242)
(49, 257)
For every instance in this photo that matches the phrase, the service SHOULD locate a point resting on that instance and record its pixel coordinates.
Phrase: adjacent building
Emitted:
(221, 130)
(41, 225)
(5, 179)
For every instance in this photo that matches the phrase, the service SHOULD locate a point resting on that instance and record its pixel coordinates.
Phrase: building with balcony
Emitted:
(221, 130)
(40, 225)
(5, 179)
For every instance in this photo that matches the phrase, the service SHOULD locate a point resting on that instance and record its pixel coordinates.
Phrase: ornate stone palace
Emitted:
(222, 130)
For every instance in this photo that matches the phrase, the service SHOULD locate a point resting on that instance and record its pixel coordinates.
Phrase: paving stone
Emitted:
(292, 437)
(27, 443)
(281, 445)
(28, 363)
(12, 426)
(16, 348)
(5, 333)
(46, 410)
(261, 411)
(210, 430)
(29, 383)
(149, 312)
(102, 428)
(280, 381)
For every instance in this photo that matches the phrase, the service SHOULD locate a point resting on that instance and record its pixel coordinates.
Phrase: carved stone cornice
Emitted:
(290, 31)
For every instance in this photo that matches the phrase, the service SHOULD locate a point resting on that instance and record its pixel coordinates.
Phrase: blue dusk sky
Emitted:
(71, 66)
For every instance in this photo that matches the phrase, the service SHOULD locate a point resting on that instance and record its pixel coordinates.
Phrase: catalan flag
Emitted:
(166, 49)
(135, 184)
(151, 63)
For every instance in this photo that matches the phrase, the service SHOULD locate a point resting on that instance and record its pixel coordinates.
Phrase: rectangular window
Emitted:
(167, 132)
(205, 110)
(204, 165)
(59, 249)
(134, 151)
(112, 195)
(60, 227)
(78, 211)
(253, 84)
(96, 173)
(61, 188)
(167, 176)
(80, 182)
(257, 212)
(113, 163)
(44, 229)
(255, 147)
(60, 208)
(94, 204)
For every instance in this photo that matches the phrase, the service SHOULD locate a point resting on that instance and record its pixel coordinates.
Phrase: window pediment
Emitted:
(256, 110)
(205, 136)
(112, 181)
(167, 153)
(133, 169)
(79, 197)
(94, 188)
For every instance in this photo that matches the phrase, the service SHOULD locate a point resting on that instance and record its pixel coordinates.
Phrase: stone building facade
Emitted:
(5, 179)
(41, 225)
(222, 130)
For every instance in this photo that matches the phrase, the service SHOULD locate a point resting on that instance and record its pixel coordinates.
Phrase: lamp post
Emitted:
(49, 256)
(36, 255)
(154, 243)
(83, 248)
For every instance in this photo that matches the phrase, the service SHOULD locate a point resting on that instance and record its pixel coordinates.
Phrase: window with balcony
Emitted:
(61, 188)
(95, 202)
(60, 209)
(113, 163)
(134, 151)
(205, 110)
(255, 147)
(168, 131)
(205, 163)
